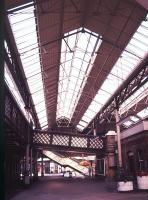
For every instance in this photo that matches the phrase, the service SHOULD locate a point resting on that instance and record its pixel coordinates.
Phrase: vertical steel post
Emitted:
(42, 167)
(118, 138)
(36, 166)
(110, 155)
(2, 102)
(94, 129)
(31, 164)
(95, 132)
(49, 167)
(27, 177)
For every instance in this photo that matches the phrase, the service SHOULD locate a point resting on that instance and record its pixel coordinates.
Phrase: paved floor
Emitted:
(49, 188)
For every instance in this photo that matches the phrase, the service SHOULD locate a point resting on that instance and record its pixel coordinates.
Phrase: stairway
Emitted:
(66, 162)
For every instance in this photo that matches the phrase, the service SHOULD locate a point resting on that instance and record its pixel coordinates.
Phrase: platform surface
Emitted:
(59, 188)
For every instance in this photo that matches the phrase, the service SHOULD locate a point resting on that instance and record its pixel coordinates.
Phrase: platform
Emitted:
(59, 188)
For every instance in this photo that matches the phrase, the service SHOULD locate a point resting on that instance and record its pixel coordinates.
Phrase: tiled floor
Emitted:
(49, 188)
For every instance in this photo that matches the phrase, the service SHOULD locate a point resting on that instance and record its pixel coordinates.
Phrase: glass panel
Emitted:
(128, 123)
(134, 118)
(77, 62)
(129, 59)
(85, 118)
(144, 113)
(14, 90)
(82, 123)
(134, 99)
(23, 25)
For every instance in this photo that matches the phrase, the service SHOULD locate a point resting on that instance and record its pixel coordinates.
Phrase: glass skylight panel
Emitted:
(144, 113)
(80, 127)
(128, 123)
(85, 118)
(77, 58)
(14, 90)
(20, 6)
(82, 123)
(134, 118)
(102, 96)
(95, 106)
(134, 99)
(129, 59)
(90, 113)
(24, 29)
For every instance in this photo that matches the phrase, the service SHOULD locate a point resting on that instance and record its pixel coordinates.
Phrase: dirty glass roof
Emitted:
(23, 25)
(14, 90)
(77, 59)
(127, 62)
(78, 53)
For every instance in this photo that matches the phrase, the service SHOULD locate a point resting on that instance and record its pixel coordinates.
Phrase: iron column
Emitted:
(2, 104)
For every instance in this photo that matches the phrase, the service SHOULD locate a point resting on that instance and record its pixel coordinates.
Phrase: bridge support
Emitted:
(42, 167)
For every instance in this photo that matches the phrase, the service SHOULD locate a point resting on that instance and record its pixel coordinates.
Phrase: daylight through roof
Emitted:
(23, 24)
(79, 49)
(78, 53)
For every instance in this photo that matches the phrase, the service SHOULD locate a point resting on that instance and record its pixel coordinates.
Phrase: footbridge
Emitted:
(68, 142)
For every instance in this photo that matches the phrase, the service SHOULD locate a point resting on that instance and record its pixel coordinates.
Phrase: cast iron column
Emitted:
(118, 138)
(31, 164)
(110, 155)
(121, 172)
(2, 104)
(49, 166)
(36, 166)
(42, 167)
(27, 172)
(94, 128)
(27, 168)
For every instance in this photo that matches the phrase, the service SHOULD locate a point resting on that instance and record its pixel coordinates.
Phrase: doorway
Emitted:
(131, 164)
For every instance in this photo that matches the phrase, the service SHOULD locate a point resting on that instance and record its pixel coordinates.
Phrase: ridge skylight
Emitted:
(77, 59)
